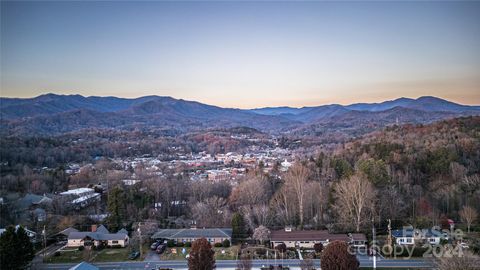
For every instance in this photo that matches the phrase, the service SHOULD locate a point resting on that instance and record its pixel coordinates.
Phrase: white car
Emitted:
(463, 245)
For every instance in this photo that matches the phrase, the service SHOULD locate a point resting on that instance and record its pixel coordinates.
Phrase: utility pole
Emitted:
(44, 232)
(374, 251)
(140, 236)
(389, 239)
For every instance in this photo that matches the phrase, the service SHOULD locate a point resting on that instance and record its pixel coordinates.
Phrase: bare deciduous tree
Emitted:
(467, 261)
(296, 180)
(355, 197)
(284, 206)
(245, 263)
(261, 234)
(468, 215)
(257, 215)
(213, 212)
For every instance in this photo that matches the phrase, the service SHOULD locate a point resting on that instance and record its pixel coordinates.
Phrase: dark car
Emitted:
(161, 249)
(134, 255)
(155, 245)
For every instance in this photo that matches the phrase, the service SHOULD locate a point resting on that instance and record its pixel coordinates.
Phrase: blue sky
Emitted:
(243, 54)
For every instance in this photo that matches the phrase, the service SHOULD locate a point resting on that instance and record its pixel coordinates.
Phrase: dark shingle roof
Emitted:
(193, 233)
(102, 229)
(282, 235)
(68, 230)
(31, 199)
(417, 233)
(97, 236)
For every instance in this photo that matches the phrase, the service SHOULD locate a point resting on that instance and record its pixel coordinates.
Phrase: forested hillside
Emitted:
(412, 174)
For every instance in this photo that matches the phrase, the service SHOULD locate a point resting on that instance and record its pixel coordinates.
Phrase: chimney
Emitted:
(94, 227)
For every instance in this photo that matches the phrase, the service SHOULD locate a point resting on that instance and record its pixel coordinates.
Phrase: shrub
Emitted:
(170, 243)
(260, 251)
(188, 244)
(56, 254)
(226, 243)
(180, 244)
(81, 248)
(281, 247)
(318, 247)
(336, 257)
(218, 245)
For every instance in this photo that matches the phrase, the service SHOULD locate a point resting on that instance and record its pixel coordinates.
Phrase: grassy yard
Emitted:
(112, 255)
(67, 256)
(175, 253)
(73, 255)
(228, 254)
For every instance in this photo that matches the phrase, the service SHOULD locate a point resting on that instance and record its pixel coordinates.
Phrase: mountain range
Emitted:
(54, 114)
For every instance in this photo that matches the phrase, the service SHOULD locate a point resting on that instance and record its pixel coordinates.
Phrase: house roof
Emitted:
(31, 199)
(84, 266)
(358, 237)
(97, 236)
(421, 233)
(68, 231)
(77, 191)
(193, 233)
(102, 229)
(123, 231)
(320, 235)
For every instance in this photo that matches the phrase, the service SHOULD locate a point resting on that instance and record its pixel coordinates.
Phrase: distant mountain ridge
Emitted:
(53, 114)
(425, 103)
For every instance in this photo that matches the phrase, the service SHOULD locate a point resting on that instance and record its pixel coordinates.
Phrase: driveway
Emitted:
(152, 256)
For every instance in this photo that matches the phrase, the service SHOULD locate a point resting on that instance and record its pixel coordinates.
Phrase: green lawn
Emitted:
(229, 254)
(72, 256)
(104, 255)
(112, 255)
(174, 253)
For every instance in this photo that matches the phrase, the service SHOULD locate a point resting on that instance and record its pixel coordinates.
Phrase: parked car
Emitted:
(155, 245)
(463, 245)
(161, 248)
(134, 255)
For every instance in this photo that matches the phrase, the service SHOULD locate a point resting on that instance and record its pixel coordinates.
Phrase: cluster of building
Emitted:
(80, 197)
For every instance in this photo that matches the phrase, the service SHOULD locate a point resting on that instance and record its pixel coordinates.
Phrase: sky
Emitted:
(243, 54)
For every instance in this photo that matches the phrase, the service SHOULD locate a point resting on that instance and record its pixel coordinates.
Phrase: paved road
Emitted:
(364, 262)
(152, 256)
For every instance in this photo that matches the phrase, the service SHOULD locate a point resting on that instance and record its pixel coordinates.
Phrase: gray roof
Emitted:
(102, 229)
(68, 230)
(193, 233)
(31, 199)
(97, 236)
(84, 266)
(123, 231)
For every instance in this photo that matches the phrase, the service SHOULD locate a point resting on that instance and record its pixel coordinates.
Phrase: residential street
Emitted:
(152, 256)
(364, 262)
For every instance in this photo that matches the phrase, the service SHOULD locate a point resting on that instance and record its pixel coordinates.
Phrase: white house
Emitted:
(307, 239)
(410, 236)
(98, 237)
